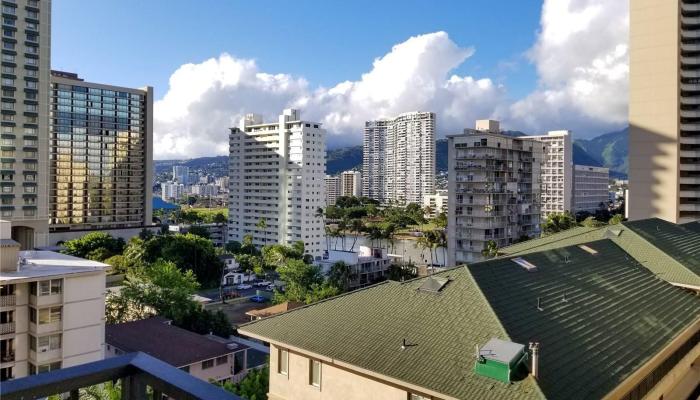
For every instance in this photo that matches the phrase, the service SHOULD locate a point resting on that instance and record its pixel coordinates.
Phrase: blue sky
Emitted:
(137, 42)
(536, 65)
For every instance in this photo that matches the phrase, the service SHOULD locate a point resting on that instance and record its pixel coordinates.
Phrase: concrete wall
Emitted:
(654, 109)
(217, 372)
(336, 383)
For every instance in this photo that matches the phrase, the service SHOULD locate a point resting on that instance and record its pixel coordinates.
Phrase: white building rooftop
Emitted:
(40, 264)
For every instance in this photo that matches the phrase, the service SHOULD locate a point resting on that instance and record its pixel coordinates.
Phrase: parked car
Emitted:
(263, 283)
(244, 286)
(258, 299)
(270, 288)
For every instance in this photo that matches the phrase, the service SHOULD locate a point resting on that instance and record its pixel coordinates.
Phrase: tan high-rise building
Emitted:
(101, 155)
(350, 183)
(26, 40)
(664, 110)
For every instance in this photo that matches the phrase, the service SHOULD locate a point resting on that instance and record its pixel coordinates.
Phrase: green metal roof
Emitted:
(673, 254)
(366, 328)
(692, 226)
(602, 317)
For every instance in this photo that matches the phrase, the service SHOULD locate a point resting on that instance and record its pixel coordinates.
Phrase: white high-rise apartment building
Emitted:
(24, 139)
(332, 189)
(172, 190)
(350, 183)
(557, 172)
(590, 188)
(399, 158)
(52, 309)
(493, 190)
(276, 175)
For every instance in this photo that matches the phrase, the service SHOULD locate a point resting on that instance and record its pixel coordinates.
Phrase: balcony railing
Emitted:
(7, 301)
(7, 357)
(8, 327)
(136, 371)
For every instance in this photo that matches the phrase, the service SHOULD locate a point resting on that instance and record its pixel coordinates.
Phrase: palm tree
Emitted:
(342, 228)
(490, 250)
(320, 213)
(262, 225)
(425, 244)
(357, 226)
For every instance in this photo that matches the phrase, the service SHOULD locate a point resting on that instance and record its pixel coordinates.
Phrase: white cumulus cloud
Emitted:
(582, 59)
(205, 99)
(580, 54)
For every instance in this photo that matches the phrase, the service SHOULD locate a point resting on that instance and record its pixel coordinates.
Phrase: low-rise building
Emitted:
(199, 355)
(436, 203)
(217, 232)
(367, 266)
(582, 321)
(590, 188)
(273, 310)
(51, 309)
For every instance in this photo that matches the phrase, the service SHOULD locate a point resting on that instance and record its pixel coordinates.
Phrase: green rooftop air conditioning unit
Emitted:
(499, 359)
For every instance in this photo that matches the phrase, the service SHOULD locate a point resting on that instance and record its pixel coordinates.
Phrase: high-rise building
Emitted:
(493, 190)
(206, 190)
(350, 183)
(51, 309)
(590, 188)
(276, 177)
(557, 172)
(399, 158)
(373, 163)
(172, 190)
(24, 140)
(664, 110)
(332, 189)
(101, 155)
(181, 174)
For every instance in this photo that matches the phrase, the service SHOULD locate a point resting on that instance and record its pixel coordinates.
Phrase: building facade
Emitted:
(664, 110)
(435, 203)
(332, 184)
(399, 158)
(590, 188)
(277, 176)
(367, 266)
(351, 183)
(181, 174)
(101, 155)
(557, 172)
(172, 190)
(51, 309)
(24, 140)
(494, 191)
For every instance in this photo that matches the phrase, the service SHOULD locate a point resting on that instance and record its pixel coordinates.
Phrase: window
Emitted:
(49, 315)
(186, 368)
(283, 362)
(50, 287)
(221, 360)
(315, 373)
(45, 343)
(207, 364)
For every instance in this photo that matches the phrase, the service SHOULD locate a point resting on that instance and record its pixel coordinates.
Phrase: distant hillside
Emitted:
(609, 150)
(343, 159)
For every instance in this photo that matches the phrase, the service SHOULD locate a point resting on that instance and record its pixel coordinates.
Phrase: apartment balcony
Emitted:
(690, 127)
(7, 301)
(685, 60)
(690, 6)
(8, 357)
(690, 46)
(690, 113)
(690, 20)
(690, 194)
(690, 181)
(43, 356)
(690, 140)
(690, 87)
(689, 207)
(690, 167)
(690, 100)
(7, 328)
(136, 373)
(690, 34)
(690, 153)
(40, 329)
(41, 301)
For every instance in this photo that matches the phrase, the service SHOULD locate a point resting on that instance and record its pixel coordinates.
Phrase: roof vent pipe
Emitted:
(535, 356)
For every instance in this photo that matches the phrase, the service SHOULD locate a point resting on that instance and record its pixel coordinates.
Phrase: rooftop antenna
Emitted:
(567, 259)
(564, 299)
(403, 345)
(539, 304)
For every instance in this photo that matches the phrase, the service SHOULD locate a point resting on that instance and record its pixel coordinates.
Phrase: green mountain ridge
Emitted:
(607, 150)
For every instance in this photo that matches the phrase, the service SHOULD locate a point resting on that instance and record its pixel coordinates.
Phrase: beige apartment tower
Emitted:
(26, 50)
(664, 110)
(100, 155)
